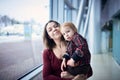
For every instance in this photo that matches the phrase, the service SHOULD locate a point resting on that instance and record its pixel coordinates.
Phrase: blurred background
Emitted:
(21, 29)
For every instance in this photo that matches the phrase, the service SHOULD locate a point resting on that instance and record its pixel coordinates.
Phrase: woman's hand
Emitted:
(80, 77)
(63, 65)
(65, 74)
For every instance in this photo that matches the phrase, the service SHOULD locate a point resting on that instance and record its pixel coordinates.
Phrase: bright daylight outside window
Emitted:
(22, 19)
(21, 29)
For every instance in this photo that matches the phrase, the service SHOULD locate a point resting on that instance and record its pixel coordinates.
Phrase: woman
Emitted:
(52, 55)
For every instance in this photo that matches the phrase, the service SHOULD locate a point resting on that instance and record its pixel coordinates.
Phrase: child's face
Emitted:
(67, 33)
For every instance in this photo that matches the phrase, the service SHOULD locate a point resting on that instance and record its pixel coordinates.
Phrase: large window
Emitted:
(24, 18)
(21, 28)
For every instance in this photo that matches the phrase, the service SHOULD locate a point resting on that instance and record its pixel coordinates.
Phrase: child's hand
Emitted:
(71, 62)
(63, 65)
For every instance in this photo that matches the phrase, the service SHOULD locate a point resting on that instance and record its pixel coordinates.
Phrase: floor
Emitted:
(104, 67)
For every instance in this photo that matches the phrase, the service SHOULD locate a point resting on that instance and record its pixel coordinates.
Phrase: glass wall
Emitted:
(22, 21)
(21, 28)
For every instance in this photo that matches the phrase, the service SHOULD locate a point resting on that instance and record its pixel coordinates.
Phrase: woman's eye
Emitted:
(49, 30)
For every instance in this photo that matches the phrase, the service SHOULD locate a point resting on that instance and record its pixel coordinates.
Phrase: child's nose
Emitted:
(67, 35)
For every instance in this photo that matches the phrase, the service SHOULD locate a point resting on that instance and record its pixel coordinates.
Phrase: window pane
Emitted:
(21, 28)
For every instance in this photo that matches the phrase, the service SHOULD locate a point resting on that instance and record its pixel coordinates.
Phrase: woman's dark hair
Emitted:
(49, 43)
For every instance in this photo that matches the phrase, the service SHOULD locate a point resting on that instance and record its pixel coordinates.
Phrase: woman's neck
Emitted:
(59, 49)
(58, 43)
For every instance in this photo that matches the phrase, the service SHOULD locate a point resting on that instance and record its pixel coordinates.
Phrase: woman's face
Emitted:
(53, 31)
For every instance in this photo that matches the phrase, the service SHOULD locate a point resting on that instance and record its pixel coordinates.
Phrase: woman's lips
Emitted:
(56, 32)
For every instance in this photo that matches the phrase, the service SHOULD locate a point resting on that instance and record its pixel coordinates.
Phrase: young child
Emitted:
(76, 60)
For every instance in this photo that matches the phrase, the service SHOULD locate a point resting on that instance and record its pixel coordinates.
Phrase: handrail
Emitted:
(32, 73)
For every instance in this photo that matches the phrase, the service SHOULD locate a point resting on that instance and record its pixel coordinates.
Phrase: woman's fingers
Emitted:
(62, 66)
(65, 74)
(80, 77)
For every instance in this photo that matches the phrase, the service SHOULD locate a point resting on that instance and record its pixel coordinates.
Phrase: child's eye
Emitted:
(63, 34)
(55, 26)
(67, 31)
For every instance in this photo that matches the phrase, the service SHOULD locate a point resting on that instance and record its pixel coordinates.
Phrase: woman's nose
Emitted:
(54, 29)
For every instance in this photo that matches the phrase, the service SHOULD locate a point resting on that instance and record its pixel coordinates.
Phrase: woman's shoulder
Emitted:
(48, 54)
(47, 51)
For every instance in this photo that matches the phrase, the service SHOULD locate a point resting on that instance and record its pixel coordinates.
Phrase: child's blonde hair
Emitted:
(69, 24)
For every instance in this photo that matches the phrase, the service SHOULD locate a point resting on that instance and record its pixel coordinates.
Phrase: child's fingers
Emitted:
(76, 64)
